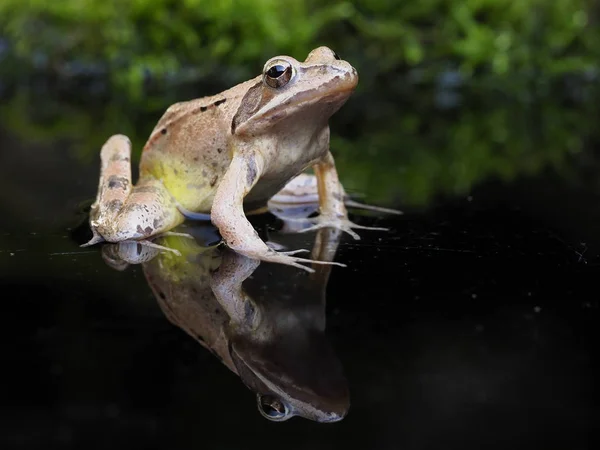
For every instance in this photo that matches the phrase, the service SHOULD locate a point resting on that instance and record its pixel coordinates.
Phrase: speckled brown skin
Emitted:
(115, 184)
(232, 152)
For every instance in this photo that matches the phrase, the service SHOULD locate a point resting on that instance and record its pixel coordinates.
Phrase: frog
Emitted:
(221, 157)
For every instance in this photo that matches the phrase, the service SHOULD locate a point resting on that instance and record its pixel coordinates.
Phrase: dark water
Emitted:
(472, 323)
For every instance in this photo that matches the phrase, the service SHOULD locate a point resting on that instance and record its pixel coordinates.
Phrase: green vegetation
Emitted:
(161, 36)
(132, 39)
(142, 55)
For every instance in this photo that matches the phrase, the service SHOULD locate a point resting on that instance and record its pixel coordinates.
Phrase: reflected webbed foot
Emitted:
(339, 223)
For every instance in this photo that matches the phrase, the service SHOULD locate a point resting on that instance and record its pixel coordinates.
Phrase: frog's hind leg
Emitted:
(114, 186)
(122, 213)
(148, 211)
(332, 198)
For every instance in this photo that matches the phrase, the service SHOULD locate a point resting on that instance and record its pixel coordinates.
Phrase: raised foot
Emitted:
(343, 224)
(288, 259)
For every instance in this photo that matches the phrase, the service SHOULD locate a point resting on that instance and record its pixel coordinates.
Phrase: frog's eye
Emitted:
(336, 56)
(272, 408)
(278, 74)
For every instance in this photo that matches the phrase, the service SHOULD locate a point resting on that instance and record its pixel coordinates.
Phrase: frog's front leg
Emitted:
(331, 200)
(227, 213)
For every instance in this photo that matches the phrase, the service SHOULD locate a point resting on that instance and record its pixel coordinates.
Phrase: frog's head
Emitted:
(312, 91)
(294, 374)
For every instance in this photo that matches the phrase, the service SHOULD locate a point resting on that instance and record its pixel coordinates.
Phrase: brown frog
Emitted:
(215, 158)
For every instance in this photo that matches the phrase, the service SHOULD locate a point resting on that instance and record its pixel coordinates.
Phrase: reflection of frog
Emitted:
(228, 152)
(269, 331)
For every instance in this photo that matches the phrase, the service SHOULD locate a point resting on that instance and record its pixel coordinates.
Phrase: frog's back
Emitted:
(189, 146)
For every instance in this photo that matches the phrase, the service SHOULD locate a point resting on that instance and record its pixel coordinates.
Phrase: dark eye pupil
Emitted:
(336, 56)
(272, 407)
(278, 74)
(270, 411)
(276, 71)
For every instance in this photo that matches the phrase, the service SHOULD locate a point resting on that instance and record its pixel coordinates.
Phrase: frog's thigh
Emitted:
(148, 211)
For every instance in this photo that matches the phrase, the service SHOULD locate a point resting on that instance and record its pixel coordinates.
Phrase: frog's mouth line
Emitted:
(338, 97)
(344, 89)
(316, 96)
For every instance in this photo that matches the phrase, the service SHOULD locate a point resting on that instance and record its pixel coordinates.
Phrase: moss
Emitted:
(130, 40)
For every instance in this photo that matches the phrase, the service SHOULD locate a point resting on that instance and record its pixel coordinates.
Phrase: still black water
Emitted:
(472, 323)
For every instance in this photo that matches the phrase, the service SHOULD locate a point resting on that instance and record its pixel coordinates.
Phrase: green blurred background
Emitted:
(452, 92)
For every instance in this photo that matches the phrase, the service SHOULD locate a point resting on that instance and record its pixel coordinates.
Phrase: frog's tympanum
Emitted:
(218, 157)
(268, 329)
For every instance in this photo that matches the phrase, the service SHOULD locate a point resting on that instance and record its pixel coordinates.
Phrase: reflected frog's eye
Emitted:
(272, 408)
(278, 74)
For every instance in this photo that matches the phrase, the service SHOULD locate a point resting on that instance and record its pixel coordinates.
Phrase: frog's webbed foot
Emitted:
(331, 201)
(339, 223)
(288, 259)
